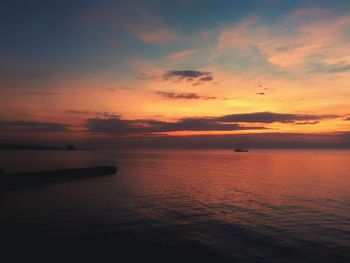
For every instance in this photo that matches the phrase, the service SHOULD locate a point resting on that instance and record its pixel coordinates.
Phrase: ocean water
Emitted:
(180, 206)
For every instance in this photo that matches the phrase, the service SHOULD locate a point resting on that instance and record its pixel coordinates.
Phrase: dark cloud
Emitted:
(193, 76)
(187, 96)
(207, 78)
(197, 77)
(78, 112)
(41, 93)
(260, 93)
(270, 117)
(117, 125)
(186, 74)
(32, 126)
(104, 114)
(205, 124)
(172, 95)
(347, 119)
(143, 76)
(306, 122)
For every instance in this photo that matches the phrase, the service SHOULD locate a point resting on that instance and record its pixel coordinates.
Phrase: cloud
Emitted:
(309, 37)
(206, 78)
(241, 35)
(117, 125)
(187, 96)
(270, 117)
(104, 114)
(144, 76)
(144, 24)
(78, 112)
(307, 122)
(194, 76)
(172, 95)
(338, 67)
(185, 74)
(181, 54)
(32, 126)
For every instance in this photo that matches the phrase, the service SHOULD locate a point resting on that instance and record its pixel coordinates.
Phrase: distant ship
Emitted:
(241, 150)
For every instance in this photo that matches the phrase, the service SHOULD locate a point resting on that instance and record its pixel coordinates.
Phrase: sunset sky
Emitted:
(166, 73)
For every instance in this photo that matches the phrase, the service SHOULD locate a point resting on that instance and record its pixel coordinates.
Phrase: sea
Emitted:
(181, 206)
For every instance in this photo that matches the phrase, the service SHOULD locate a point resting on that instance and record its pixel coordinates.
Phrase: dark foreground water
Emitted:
(182, 206)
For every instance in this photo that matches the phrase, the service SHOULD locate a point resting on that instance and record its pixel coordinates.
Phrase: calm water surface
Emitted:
(261, 206)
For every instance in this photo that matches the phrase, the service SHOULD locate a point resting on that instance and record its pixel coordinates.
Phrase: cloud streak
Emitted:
(315, 41)
(144, 25)
(181, 54)
(270, 117)
(104, 114)
(233, 122)
(121, 126)
(186, 96)
(194, 76)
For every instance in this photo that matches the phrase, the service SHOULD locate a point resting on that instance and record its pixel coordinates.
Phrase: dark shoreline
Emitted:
(10, 181)
(39, 147)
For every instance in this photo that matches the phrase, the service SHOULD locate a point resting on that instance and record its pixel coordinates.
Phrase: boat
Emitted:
(241, 150)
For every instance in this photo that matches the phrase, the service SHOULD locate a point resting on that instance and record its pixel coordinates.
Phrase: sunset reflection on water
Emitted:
(246, 206)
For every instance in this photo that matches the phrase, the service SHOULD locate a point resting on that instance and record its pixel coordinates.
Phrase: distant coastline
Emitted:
(39, 147)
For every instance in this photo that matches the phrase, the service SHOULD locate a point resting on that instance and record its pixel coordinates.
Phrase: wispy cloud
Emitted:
(306, 122)
(270, 117)
(182, 54)
(232, 122)
(104, 114)
(187, 96)
(337, 67)
(194, 76)
(306, 37)
(145, 25)
(123, 126)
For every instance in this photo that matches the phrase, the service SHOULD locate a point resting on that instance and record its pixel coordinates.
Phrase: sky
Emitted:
(186, 73)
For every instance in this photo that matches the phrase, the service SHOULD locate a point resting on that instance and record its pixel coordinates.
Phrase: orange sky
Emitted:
(296, 62)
